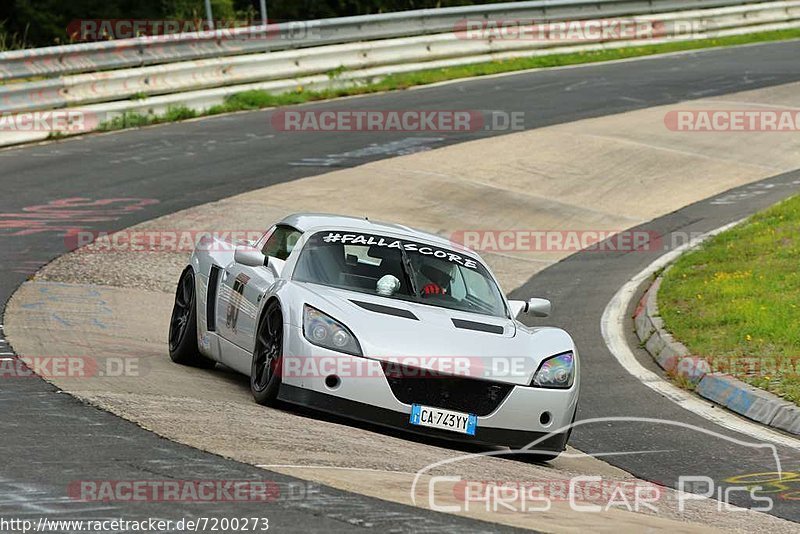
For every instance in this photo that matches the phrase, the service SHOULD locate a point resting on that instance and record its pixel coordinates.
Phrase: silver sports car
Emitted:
(381, 323)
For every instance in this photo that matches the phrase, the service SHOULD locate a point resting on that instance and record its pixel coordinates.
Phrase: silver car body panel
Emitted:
(229, 310)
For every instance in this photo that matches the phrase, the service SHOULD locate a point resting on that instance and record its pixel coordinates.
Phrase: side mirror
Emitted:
(275, 265)
(533, 307)
(539, 307)
(249, 256)
(517, 307)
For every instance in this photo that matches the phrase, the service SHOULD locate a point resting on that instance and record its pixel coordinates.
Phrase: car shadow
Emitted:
(238, 380)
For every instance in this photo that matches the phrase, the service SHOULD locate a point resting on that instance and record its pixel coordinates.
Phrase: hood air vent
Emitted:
(386, 310)
(480, 327)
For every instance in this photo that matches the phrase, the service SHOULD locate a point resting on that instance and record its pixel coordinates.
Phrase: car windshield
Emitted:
(401, 269)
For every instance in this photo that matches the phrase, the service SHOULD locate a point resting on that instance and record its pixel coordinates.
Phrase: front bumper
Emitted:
(366, 395)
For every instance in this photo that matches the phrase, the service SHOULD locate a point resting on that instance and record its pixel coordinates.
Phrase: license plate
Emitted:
(464, 423)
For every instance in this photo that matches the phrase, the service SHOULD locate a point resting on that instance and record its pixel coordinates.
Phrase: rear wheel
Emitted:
(183, 325)
(265, 372)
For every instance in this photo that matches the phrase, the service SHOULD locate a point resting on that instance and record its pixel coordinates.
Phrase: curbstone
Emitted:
(651, 304)
(668, 359)
(722, 389)
(657, 322)
(787, 418)
(655, 345)
(692, 368)
(716, 387)
(644, 327)
(747, 400)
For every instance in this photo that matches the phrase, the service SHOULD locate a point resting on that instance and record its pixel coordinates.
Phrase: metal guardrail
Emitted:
(200, 84)
(88, 57)
(91, 88)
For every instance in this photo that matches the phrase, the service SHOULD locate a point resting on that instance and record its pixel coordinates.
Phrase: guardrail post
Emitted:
(263, 12)
(209, 15)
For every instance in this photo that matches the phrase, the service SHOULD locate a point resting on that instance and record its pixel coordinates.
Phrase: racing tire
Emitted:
(183, 325)
(265, 371)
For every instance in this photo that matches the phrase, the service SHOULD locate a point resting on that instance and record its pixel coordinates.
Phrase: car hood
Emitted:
(437, 339)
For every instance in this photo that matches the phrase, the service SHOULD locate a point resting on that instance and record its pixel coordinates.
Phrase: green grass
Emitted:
(134, 120)
(736, 300)
(251, 100)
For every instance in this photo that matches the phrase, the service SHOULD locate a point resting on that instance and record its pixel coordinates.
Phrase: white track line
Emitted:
(615, 323)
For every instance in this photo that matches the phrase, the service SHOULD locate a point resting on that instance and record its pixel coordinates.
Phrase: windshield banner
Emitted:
(425, 250)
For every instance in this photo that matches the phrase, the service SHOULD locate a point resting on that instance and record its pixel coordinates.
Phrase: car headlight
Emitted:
(325, 331)
(556, 372)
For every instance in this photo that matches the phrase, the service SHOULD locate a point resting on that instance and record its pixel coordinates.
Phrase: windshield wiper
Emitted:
(409, 271)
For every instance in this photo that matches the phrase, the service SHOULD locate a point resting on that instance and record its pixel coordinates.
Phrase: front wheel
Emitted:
(265, 372)
(183, 325)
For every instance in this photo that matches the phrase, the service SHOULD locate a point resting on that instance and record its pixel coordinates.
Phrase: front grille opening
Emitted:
(411, 385)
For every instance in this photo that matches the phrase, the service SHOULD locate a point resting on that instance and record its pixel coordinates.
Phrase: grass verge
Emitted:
(251, 100)
(736, 300)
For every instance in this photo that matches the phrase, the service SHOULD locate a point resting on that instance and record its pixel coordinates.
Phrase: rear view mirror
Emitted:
(249, 256)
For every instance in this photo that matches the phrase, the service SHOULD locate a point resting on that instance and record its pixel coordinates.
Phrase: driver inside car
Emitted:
(434, 281)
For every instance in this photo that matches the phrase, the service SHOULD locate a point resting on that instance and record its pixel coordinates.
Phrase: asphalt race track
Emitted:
(580, 287)
(50, 438)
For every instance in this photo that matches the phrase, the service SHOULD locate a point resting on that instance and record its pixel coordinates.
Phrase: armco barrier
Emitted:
(200, 84)
(202, 74)
(70, 59)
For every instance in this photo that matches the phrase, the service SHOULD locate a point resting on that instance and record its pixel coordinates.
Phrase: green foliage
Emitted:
(736, 300)
(194, 9)
(33, 23)
(337, 72)
(136, 120)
